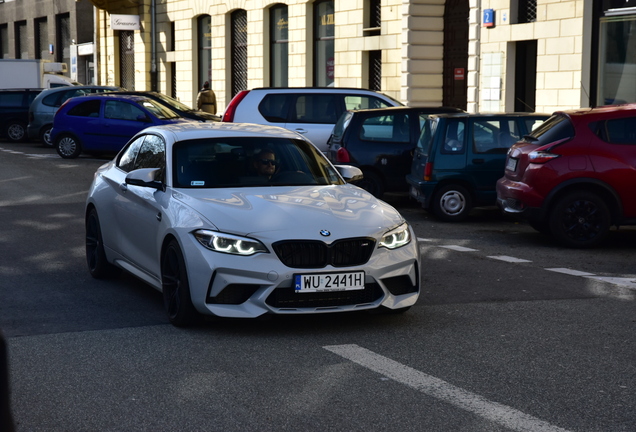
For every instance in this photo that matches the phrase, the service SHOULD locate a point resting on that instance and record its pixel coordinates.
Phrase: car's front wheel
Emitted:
(452, 203)
(580, 219)
(16, 131)
(176, 288)
(68, 146)
(98, 265)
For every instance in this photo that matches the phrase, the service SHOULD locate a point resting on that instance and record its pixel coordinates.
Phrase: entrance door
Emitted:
(455, 53)
(525, 76)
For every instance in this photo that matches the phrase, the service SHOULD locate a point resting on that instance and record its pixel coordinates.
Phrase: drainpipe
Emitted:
(153, 45)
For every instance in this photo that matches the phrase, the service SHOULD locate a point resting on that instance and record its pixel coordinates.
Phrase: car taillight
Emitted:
(228, 116)
(428, 171)
(342, 155)
(541, 157)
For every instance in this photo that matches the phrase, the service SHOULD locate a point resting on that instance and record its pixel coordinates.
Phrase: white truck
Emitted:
(23, 73)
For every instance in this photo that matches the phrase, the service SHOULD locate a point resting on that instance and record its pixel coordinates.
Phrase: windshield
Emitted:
(173, 102)
(250, 161)
(160, 111)
(428, 131)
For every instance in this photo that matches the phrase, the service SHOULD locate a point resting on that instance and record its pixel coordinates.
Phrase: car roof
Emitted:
(134, 98)
(199, 130)
(314, 89)
(601, 110)
(490, 115)
(398, 109)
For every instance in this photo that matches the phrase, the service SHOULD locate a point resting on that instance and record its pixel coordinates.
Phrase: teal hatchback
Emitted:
(460, 157)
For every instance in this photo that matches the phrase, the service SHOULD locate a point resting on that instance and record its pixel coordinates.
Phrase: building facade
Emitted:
(59, 31)
(479, 55)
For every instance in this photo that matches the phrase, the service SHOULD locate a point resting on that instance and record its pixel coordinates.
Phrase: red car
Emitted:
(574, 176)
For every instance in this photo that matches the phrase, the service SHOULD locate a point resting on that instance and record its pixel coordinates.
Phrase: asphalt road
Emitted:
(511, 333)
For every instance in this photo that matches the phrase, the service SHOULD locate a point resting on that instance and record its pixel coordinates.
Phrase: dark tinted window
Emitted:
(274, 108)
(386, 128)
(11, 99)
(556, 128)
(454, 138)
(365, 102)
(315, 108)
(53, 99)
(616, 131)
(426, 136)
(118, 110)
(86, 109)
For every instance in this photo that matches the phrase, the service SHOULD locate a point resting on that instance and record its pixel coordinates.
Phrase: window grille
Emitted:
(375, 70)
(127, 59)
(239, 51)
(527, 11)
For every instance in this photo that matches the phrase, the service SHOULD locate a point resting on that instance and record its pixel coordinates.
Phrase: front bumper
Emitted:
(248, 287)
(421, 190)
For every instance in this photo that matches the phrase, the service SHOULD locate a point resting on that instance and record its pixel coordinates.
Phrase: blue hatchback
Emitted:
(104, 123)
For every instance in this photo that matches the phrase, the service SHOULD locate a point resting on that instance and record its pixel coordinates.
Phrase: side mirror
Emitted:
(349, 173)
(145, 177)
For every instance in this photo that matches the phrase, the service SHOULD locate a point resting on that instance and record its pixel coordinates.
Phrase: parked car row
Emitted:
(14, 112)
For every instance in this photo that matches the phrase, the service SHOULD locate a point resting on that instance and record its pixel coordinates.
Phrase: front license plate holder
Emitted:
(328, 282)
(511, 164)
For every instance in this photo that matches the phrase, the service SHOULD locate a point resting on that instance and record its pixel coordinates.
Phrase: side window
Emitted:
(127, 159)
(274, 108)
(52, 100)
(618, 131)
(67, 95)
(86, 109)
(152, 155)
(494, 136)
(11, 99)
(454, 137)
(364, 102)
(531, 124)
(31, 97)
(118, 110)
(388, 128)
(315, 108)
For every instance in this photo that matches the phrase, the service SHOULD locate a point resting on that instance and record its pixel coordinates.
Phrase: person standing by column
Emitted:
(206, 99)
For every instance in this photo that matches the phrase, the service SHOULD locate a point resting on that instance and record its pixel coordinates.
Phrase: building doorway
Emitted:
(455, 53)
(525, 76)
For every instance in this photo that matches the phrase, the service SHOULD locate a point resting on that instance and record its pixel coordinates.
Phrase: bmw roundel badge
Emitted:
(325, 233)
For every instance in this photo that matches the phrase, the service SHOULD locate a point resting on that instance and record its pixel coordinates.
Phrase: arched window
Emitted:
(239, 51)
(278, 23)
(324, 43)
(204, 45)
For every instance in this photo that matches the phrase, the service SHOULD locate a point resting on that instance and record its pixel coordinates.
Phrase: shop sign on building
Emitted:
(125, 22)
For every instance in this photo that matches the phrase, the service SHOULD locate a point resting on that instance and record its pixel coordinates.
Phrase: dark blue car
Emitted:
(104, 123)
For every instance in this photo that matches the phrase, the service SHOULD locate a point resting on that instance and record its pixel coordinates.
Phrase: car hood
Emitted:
(299, 211)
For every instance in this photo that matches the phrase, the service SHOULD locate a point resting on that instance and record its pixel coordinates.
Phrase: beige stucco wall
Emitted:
(350, 46)
(561, 72)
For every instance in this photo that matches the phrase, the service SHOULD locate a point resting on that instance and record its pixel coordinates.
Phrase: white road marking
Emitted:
(459, 248)
(424, 239)
(570, 272)
(437, 388)
(623, 282)
(509, 259)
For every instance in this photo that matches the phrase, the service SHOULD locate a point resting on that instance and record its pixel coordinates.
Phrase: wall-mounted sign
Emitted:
(124, 22)
(489, 18)
(459, 73)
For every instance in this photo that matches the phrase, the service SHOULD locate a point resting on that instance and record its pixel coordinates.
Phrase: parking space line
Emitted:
(439, 389)
(460, 248)
(570, 272)
(509, 259)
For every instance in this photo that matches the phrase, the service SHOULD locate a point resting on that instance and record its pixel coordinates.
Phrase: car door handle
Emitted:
(302, 131)
(123, 187)
(478, 161)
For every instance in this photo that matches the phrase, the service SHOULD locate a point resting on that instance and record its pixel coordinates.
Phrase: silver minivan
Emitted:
(46, 104)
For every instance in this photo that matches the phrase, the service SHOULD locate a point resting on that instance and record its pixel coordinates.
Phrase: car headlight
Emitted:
(228, 243)
(396, 238)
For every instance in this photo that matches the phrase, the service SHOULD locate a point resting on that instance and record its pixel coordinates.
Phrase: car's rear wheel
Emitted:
(452, 203)
(68, 146)
(372, 183)
(16, 131)
(45, 136)
(98, 265)
(176, 288)
(580, 219)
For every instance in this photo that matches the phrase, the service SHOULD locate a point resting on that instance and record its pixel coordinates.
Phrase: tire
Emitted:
(580, 220)
(45, 136)
(452, 203)
(16, 131)
(176, 288)
(98, 265)
(68, 146)
(372, 183)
